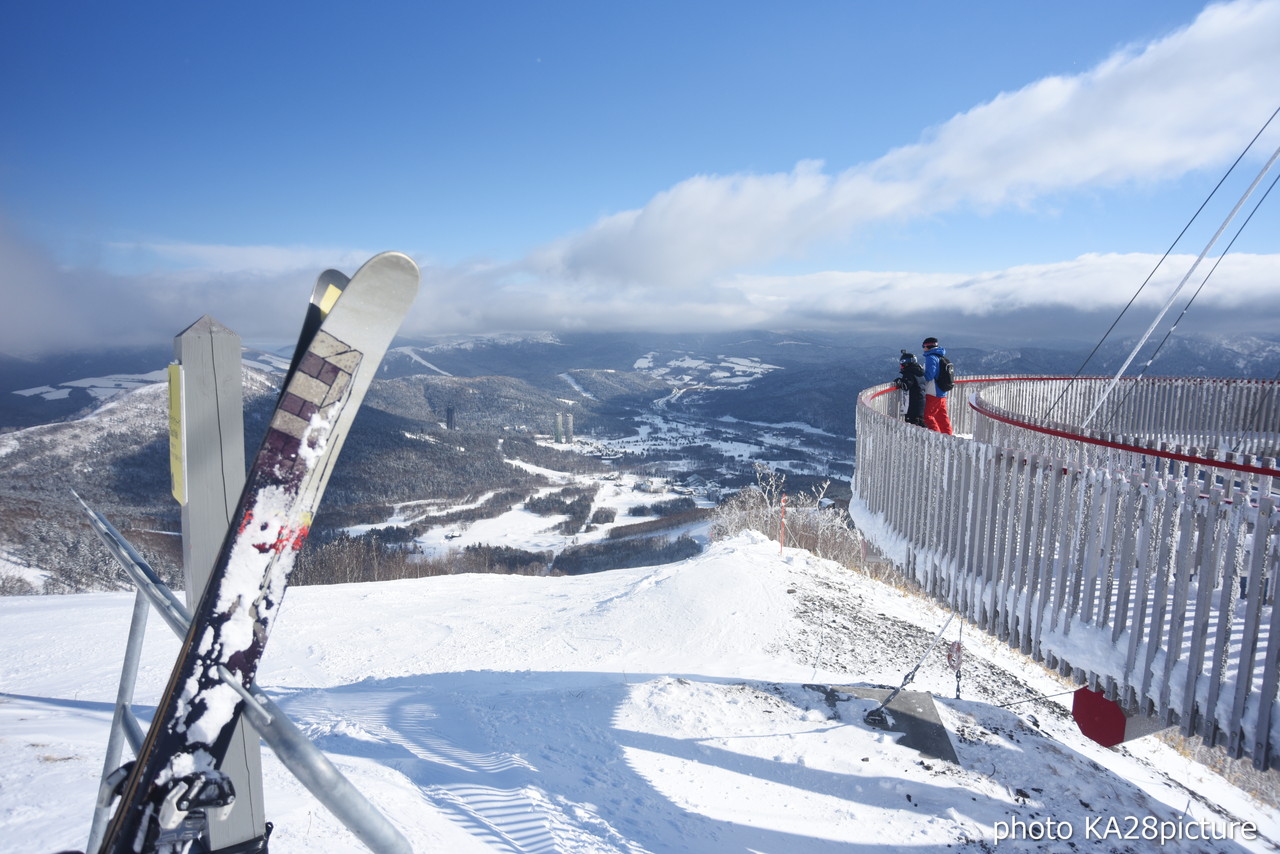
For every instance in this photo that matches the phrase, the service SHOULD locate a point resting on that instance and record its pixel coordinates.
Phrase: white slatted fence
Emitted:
(1142, 561)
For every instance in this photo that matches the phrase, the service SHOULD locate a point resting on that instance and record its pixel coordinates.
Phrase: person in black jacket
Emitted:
(911, 381)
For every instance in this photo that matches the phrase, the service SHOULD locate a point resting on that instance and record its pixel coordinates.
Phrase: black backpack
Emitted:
(946, 378)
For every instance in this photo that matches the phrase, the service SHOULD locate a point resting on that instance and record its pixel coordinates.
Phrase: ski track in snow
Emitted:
(651, 710)
(413, 354)
(572, 383)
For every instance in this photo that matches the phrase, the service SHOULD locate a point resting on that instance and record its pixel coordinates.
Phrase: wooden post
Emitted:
(782, 525)
(206, 440)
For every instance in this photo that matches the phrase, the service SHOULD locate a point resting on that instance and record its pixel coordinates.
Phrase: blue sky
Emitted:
(573, 165)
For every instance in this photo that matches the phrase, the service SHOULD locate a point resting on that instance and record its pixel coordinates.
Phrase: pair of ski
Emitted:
(175, 777)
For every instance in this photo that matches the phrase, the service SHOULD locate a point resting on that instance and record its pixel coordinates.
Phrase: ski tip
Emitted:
(329, 286)
(397, 272)
(394, 260)
(333, 277)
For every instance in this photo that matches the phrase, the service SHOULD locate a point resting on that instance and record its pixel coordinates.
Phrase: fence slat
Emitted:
(1120, 577)
(1228, 588)
(1029, 561)
(1160, 605)
(1190, 521)
(1214, 522)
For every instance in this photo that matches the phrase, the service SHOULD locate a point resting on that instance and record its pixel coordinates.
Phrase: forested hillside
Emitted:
(118, 459)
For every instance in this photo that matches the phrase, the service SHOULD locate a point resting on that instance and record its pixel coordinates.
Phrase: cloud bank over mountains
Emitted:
(707, 253)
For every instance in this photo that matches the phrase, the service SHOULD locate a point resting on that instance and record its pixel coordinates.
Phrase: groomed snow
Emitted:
(651, 710)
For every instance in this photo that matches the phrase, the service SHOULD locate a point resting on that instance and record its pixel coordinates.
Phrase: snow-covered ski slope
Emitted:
(648, 710)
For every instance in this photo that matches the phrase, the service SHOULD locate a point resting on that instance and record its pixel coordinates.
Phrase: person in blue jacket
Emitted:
(935, 400)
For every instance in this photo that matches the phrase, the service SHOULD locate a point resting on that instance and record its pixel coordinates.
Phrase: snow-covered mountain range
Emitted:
(710, 406)
(54, 387)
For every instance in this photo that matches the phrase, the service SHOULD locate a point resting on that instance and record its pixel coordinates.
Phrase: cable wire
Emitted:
(1147, 365)
(1067, 386)
(1169, 302)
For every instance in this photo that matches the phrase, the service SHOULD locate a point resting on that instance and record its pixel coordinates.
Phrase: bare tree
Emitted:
(812, 523)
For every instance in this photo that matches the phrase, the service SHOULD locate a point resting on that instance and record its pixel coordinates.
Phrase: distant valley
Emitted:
(673, 407)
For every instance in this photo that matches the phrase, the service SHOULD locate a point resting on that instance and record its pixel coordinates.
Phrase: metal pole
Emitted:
(303, 759)
(782, 525)
(124, 701)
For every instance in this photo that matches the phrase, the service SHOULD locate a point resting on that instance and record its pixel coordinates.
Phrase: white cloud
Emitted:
(697, 229)
(1185, 102)
(54, 308)
(226, 259)
(59, 309)
(1018, 303)
(1086, 284)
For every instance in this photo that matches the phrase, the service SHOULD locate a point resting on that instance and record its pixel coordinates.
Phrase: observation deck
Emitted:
(1129, 540)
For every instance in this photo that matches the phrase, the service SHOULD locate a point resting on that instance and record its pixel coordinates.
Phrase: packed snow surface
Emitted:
(662, 709)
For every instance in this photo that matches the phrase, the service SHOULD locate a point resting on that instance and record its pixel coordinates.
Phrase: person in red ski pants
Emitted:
(935, 400)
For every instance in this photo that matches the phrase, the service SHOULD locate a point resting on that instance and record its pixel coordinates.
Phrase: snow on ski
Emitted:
(175, 776)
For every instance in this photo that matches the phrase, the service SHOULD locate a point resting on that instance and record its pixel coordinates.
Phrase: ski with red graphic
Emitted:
(166, 793)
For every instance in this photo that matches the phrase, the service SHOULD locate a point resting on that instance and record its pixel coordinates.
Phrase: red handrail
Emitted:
(1208, 462)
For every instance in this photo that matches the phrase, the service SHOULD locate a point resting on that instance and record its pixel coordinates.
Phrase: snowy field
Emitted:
(521, 528)
(649, 710)
(787, 447)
